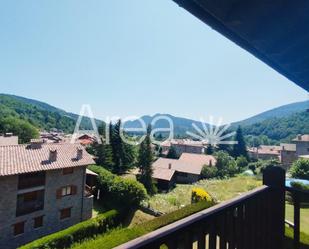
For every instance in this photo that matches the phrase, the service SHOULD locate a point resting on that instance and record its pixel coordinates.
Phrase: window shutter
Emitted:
(59, 193)
(74, 190)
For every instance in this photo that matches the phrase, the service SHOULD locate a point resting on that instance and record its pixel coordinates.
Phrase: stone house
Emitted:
(287, 154)
(184, 146)
(302, 145)
(42, 190)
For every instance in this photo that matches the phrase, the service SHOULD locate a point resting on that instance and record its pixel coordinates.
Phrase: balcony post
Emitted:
(274, 177)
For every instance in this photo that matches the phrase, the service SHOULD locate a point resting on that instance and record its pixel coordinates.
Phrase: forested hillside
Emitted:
(38, 114)
(279, 129)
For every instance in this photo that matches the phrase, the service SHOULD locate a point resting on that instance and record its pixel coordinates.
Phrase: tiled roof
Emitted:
(21, 159)
(198, 159)
(288, 147)
(266, 150)
(302, 138)
(187, 163)
(11, 140)
(163, 174)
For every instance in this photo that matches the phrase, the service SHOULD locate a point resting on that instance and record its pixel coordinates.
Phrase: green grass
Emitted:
(304, 217)
(98, 209)
(221, 190)
(304, 239)
(137, 217)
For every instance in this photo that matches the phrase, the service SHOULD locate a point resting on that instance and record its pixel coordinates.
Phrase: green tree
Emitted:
(241, 162)
(226, 164)
(145, 159)
(300, 169)
(172, 154)
(209, 172)
(21, 128)
(240, 149)
(210, 149)
(104, 154)
(123, 154)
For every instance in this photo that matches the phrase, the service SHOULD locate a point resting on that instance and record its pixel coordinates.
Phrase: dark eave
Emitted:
(275, 31)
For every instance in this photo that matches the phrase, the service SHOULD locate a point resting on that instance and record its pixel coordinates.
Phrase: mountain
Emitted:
(40, 114)
(278, 112)
(181, 125)
(273, 126)
(281, 129)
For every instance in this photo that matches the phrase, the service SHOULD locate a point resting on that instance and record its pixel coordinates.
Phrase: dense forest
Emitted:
(276, 130)
(39, 114)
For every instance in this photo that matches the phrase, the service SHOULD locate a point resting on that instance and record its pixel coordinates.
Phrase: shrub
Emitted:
(122, 192)
(199, 194)
(209, 172)
(300, 169)
(300, 186)
(226, 164)
(119, 236)
(241, 162)
(77, 233)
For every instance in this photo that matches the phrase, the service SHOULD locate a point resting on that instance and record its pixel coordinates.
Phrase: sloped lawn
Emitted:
(221, 190)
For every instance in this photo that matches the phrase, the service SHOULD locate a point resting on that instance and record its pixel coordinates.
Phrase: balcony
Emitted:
(255, 220)
(30, 202)
(32, 180)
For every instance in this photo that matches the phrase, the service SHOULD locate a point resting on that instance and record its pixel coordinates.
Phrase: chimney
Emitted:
(169, 166)
(8, 134)
(79, 155)
(210, 162)
(299, 137)
(36, 143)
(52, 155)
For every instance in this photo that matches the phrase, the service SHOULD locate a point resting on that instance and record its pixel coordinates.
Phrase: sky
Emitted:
(132, 57)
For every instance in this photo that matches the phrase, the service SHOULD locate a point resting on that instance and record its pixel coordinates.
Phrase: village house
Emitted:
(186, 169)
(302, 145)
(287, 154)
(265, 152)
(184, 146)
(42, 190)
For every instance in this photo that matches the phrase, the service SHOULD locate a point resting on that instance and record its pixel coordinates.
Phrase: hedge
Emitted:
(120, 191)
(77, 233)
(117, 237)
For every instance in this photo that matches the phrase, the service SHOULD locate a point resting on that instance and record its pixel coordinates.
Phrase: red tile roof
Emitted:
(19, 159)
(165, 168)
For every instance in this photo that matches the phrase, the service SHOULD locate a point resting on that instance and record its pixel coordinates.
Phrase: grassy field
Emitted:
(221, 190)
(304, 217)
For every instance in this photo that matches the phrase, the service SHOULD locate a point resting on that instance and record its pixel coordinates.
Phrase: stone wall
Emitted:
(52, 206)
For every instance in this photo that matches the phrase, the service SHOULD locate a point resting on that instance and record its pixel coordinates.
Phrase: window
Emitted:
(38, 222)
(30, 202)
(65, 213)
(19, 228)
(31, 180)
(65, 191)
(67, 171)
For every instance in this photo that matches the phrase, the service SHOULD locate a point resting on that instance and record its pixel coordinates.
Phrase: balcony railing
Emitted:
(254, 220)
(298, 196)
(29, 207)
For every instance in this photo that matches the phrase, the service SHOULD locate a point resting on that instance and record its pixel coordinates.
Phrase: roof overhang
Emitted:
(275, 31)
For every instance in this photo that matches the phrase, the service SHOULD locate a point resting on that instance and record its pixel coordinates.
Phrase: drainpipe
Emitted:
(83, 190)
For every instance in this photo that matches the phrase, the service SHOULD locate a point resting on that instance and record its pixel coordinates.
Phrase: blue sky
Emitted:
(131, 57)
